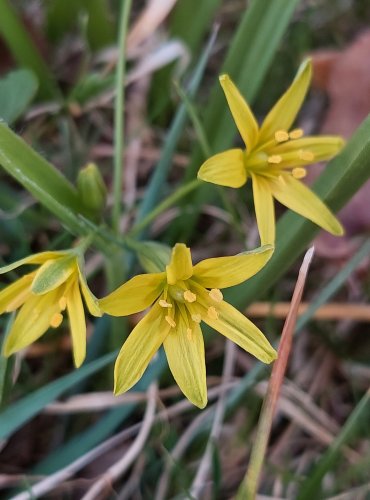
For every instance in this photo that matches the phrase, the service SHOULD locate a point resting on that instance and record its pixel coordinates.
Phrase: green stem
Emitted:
(168, 202)
(119, 115)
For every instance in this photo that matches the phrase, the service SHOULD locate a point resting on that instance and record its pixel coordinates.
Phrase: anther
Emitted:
(306, 155)
(62, 303)
(190, 296)
(297, 133)
(189, 333)
(281, 136)
(56, 320)
(197, 318)
(299, 172)
(212, 313)
(216, 295)
(170, 321)
(275, 159)
(164, 303)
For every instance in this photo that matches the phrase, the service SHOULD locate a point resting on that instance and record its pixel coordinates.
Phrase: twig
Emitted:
(249, 485)
(332, 311)
(61, 475)
(119, 468)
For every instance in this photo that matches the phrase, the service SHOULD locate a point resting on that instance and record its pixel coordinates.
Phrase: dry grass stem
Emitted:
(331, 311)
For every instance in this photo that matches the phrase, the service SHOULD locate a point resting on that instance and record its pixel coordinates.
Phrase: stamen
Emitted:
(297, 133)
(281, 180)
(170, 321)
(189, 334)
(62, 303)
(164, 303)
(212, 313)
(281, 136)
(56, 320)
(190, 296)
(216, 295)
(197, 318)
(299, 172)
(306, 155)
(274, 159)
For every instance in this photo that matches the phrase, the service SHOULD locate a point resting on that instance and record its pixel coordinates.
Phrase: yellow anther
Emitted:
(306, 155)
(197, 318)
(164, 303)
(274, 159)
(62, 303)
(212, 313)
(281, 136)
(216, 295)
(297, 133)
(170, 321)
(56, 320)
(190, 296)
(299, 172)
(189, 333)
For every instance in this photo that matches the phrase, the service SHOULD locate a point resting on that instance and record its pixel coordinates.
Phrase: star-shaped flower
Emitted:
(43, 295)
(181, 298)
(275, 158)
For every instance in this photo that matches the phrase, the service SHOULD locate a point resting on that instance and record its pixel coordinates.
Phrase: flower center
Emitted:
(185, 302)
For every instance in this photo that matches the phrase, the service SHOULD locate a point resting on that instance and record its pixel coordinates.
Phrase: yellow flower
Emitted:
(275, 158)
(183, 296)
(43, 295)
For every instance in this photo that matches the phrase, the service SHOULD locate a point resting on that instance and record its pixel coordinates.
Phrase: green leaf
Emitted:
(24, 50)
(42, 180)
(17, 89)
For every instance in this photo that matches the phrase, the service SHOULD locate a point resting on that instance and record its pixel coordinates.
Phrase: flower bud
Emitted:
(91, 188)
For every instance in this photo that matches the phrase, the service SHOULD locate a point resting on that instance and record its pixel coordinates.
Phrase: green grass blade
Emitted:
(119, 115)
(17, 89)
(183, 17)
(42, 180)
(154, 190)
(359, 416)
(26, 408)
(102, 429)
(24, 50)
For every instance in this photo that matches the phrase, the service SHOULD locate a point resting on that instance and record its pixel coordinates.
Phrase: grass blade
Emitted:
(24, 50)
(311, 487)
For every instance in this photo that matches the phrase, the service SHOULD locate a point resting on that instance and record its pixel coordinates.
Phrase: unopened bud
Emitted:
(91, 188)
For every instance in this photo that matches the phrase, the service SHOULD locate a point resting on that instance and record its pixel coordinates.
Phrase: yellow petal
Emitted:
(90, 299)
(37, 258)
(32, 321)
(52, 274)
(225, 169)
(322, 148)
(133, 296)
(185, 354)
(242, 114)
(236, 327)
(299, 198)
(222, 272)
(283, 114)
(77, 322)
(14, 295)
(180, 267)
(141, 345)
(264, 208)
